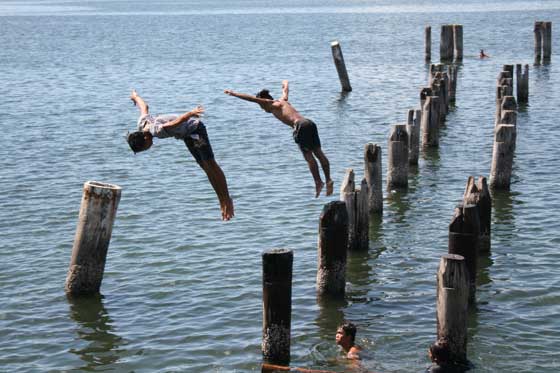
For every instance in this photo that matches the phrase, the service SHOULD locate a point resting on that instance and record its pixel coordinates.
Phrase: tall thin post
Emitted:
(332, 250)
(430, 122)
(522, 83)
(98, 210)
(340, 66)
(413, 129)
(463, 240)
(397, 161)
(452, 72)
(428, 44)
(452, 303)
(547, 41)
(478, 193)
(502, 157)
(538, 30)
(277, 305)
(458, 42)
(372, 163)
(356, 200)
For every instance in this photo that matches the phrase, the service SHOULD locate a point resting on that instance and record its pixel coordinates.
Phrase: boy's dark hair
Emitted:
(137, 141)
(264, 94)
(440, 351)
(349, 329)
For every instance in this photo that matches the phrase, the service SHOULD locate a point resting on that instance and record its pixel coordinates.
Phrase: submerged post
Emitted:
(333, 243)
(397, 161)
(277, 305)
(372, 163)
(458, 42)
(98, 210)
(452, 72)
(340, 66)
(502, 157)
(428, 43)
(452, 303)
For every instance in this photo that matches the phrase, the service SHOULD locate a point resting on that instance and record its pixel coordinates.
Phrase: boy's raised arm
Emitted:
(247, 97)
(285, 90)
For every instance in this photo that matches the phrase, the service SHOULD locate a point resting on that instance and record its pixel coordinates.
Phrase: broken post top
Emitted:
(372, 152)
(348, 185)
(398, 133)
(277, 265)
(334, 214)
(103, 190)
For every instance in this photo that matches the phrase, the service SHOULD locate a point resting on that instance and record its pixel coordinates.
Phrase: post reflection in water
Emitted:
(502, 209)
(98, 345)
(398, 203)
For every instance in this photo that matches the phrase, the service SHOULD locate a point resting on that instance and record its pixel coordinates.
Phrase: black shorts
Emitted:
(306, 135)
(200, 148)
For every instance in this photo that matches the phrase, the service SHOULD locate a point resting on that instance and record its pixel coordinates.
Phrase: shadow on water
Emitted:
(541, 73)
(502, 207)
(375, 230)
(484, 262)
(94, 328)
(431, 156)
(398, 203)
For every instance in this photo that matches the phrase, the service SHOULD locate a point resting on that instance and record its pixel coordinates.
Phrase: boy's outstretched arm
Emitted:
(247, 97)
(196, 112)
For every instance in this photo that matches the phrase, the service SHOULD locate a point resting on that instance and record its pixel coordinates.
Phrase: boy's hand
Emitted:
(229, 92)
(197, 111)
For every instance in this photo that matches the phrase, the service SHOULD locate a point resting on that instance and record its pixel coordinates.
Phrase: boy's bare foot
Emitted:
(330, 185)
(318, 188)
(227, 209)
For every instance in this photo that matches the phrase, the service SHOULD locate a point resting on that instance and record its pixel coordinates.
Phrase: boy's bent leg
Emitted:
(325, 165)
(314, 168)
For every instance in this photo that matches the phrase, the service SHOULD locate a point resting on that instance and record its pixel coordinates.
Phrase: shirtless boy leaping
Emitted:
(305, 132)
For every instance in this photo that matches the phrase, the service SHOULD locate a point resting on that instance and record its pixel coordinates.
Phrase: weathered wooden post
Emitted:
(446, 43)
(332, 249)
(502, 157)
(372, 169)
(463, 240)
(428, 44)
(340, 66)
(424, 93)
(509, 69)
(458, 42)
(452, 303)
(277, 305)
(98, 210)
(538, 30)
(356, 200)
(397, 161)
(413, 129)
(508, 117)
(480, 195)
(547, 41)
(522, 76)
(430, 122)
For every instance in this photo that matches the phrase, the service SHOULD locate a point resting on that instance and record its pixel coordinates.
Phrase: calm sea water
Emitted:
(182, 290)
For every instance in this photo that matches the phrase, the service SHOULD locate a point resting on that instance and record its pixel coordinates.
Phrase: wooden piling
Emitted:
(430, 122)
(464, 231)
(522, 77)
(332, 249)
(428, 44)
(277, 305)
(424, 93)
(480, 195)
(508, 117)
(547, 41)
(397, 161)
(446, 43)
(98, 210)
(452, 303)
(340, 66)
(356, 201)
(458, 42)
(502, 157)
(413, 129)
(509, 69)
(538, 30)
(372, 170)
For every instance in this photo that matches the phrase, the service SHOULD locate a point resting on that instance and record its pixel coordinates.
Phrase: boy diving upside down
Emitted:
(191, 130)
(305, 132)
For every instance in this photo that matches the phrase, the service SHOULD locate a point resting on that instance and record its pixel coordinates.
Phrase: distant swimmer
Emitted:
(345, 338)
(483, 55)
(191, 130)
(440, 356)
(305, 132)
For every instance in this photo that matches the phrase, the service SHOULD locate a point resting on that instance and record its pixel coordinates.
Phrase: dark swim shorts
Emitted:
(199, 144)
(306, 135)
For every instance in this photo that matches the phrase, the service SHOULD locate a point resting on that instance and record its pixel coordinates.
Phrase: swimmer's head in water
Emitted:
(348, 329)
(439, 351)
(139, 141)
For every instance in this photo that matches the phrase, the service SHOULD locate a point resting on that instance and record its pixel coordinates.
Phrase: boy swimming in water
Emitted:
(191, 130)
